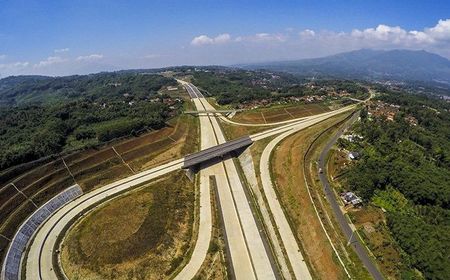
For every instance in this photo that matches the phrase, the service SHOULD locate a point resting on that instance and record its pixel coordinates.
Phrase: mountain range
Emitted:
(368, 64)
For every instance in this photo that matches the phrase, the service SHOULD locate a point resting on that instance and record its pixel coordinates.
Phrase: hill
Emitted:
(401, 65)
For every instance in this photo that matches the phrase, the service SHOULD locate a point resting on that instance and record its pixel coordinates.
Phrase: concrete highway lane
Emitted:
(39, 264)
(249, 257)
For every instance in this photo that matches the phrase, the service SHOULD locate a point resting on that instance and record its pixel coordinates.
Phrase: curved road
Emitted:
(39, 264)
(345, 227)
(250, 257)
(294, 254)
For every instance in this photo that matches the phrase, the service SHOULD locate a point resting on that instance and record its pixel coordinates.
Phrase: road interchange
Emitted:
(250, 257)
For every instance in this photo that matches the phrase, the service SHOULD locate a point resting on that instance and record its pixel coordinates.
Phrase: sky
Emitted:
(78, 37)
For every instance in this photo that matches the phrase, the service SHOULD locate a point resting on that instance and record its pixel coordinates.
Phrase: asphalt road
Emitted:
(345, 227)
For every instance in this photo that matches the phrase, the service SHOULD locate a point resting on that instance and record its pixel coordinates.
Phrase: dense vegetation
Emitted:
(406, 170)
(234, 86)
(41, 116)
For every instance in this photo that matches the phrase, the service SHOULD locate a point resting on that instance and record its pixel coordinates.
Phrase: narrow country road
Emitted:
(345, 227)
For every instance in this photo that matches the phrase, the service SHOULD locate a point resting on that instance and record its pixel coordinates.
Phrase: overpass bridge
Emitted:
(193, 160)
(226, 112)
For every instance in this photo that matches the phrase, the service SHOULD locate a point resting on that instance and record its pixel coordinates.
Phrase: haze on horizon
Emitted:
(68, 37)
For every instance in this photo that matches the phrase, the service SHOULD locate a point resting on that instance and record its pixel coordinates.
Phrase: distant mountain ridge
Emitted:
(369, 65)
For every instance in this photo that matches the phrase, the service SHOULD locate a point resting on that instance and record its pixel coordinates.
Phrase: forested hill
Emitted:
(371, 65)
(405, 170)
(42, 116)
(23, 90)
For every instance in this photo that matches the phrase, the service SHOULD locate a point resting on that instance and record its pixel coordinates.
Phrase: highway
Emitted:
(249, 257)
(249, 253)
(294, 254)
(39, 264)
(343, 224)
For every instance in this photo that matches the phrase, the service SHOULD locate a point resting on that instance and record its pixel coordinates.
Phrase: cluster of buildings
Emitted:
(382, 109)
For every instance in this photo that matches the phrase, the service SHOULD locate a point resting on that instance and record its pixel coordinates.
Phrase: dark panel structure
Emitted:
(216, 151)
(11, 266)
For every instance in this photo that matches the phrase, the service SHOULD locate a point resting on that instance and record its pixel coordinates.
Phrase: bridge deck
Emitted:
(213, 111)
(216, 151)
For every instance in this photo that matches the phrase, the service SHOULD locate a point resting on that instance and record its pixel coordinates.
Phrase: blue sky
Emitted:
(66, 37)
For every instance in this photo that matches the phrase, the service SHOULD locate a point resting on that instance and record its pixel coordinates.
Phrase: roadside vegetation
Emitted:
(403, 177)
(43, 116)
(133, 236)
(215, 265)
(91, 168)
(287, 169)
(240, 88)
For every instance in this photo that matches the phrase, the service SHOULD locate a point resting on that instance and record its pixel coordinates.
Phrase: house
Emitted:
(350, 198)
(353, 155)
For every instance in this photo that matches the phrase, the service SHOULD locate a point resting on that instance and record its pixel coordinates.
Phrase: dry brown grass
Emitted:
(287, 168)
(93, 168)
(140, 235)
(214, 265)
(280, 113)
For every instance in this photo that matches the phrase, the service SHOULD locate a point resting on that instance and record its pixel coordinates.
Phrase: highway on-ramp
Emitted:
(39, 263)
(249, 254)
(293, 252)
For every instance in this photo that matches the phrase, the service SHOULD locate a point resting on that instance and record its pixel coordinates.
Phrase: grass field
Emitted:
(134, 236)
(277, 113)
(93, 168)
(214, 267)
(287, 168)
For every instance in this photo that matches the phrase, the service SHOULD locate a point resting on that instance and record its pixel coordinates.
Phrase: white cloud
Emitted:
(434, 39)
(399, 36)
(14, 64)
(307, 33)
(202, 40)
(205, 40)
(2, 56)
(263, 37)
(90, 57)
(50, 61)
(61, 50)
(13, 68)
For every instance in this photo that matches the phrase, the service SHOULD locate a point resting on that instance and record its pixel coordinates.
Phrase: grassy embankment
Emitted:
(134, 236)
(287, 168)
(287, 163)
(92, 168)
(349, 257)
(215, 265)
(275, 113)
